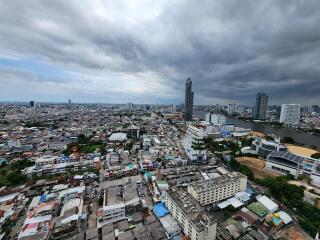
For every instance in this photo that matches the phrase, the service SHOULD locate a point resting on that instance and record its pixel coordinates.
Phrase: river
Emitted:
(300, 137)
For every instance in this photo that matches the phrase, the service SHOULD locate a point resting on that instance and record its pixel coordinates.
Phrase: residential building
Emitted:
(188, 106)
(315, 108)
(260, 110)
(241, 109)
(133, 131)
(290, 114)
(120, 200)
(14, 144)
(232, 108)
(191, 216)
(215, 119)
(67, 224)
(194, 135)
(217, 189)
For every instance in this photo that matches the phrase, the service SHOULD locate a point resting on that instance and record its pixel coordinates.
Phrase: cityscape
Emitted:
(143, 121)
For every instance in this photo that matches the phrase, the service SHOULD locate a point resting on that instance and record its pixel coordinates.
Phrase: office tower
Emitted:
(188, 106)
(32, 104)
(290, 114)
(232, 108)
(69, 104)
(260, 110)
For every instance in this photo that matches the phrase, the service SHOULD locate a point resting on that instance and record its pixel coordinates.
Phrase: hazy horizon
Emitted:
(143, 51)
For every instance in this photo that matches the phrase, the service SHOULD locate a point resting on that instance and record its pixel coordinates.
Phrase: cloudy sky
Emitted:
(142, 51)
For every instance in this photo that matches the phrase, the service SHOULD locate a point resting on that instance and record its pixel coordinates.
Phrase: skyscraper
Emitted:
(188, 105)
(290, 114)
(69, 104)
(32, 104)
(260, 110)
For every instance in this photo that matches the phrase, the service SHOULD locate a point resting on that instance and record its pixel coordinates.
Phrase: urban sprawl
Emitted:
(155, 172)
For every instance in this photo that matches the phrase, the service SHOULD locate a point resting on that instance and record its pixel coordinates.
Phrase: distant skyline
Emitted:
(142, 51)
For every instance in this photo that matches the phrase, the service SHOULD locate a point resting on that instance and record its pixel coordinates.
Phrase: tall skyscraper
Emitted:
(69, 104)
(32, 104)
(290, 114)
(260, 110)
(188, 105)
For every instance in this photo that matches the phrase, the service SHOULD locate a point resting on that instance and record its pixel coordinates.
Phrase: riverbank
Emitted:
(301, 138)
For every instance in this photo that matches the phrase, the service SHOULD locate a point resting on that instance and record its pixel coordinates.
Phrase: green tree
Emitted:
(269, 138)
(16, 178)
(287, 139)
(199, 145)
(236, 166)
(316, 155)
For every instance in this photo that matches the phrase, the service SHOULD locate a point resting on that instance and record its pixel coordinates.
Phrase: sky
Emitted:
(123, 51)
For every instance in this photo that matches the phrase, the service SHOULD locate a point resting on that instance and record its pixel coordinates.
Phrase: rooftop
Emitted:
(207, 185)
(193, 210)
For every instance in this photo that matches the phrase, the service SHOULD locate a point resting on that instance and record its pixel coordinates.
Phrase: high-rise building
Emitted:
(304, 109)
(232, 108)
(130, 105)
(31, 103)
(260, 110)
(188, 105)
(315, 108)
(290, 114)
(278, 112)
(194, 135)
(173, 108)
(69, 104)
(240, 109)
(215, 119)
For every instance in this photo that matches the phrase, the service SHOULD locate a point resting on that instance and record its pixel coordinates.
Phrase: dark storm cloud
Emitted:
(146, 49)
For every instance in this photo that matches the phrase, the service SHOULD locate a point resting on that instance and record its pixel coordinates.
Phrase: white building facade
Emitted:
(215, 119)
(191, 216)
(288, 163)
(232, 108)
(217, 189)
(192, 136)
(290, 114)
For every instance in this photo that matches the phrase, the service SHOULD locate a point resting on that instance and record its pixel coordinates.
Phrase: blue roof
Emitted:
(43, 198)
(160, 210)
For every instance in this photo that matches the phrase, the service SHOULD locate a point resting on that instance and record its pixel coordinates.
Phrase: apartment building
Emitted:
(215, 119)
(191, 216)
(217, 189)
(120, 200)
(193, 135)
(290, 114)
